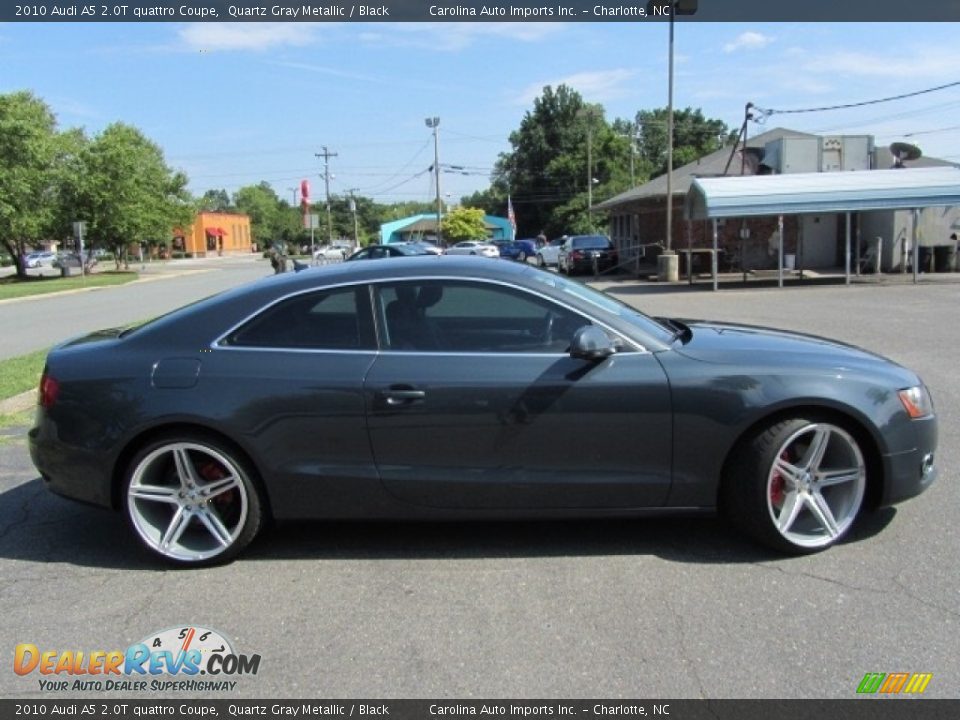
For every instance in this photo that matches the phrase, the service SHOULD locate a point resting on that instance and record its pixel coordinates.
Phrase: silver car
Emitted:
(474, 247)
(549, 254)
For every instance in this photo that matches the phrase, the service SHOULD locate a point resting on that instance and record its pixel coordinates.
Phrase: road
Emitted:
(38, 322)
(650, 609)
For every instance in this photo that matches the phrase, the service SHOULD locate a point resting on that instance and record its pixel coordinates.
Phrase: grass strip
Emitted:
(21, 373)
(13, 287)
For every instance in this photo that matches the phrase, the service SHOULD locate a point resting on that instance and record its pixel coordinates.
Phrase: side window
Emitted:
(460, 316)
(329, 320)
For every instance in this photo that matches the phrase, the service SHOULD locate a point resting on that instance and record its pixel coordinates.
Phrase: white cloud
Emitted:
(599, 86)
(453, 36)
(929, 63)
(207, 37)
(748, 40)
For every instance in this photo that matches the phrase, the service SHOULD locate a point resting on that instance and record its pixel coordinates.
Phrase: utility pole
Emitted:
(326, 155)
(434, 123)
(589, 113)
(590, 169)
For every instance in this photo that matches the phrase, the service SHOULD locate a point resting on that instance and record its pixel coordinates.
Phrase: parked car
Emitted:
(331, 252)
(70, 259)
(39, 259)
(307, 395)
(426, 248)
(549, 254)
(518, 250)
(474, 247)
(579, 253)
(375, 252)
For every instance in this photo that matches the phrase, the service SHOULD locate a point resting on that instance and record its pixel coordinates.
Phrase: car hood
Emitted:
(728, 343)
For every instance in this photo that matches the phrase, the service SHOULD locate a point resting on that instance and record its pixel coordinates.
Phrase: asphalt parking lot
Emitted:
(633, 609)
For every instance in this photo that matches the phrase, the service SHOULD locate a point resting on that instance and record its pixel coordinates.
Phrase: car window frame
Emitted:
(624, 343)
(369, 341)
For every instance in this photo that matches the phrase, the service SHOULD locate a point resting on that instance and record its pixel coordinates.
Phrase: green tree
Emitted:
(29, 150)
(215, 201)
(546, 172)
(463, 223)
(693, 137)
(263, 206)
(126, 192)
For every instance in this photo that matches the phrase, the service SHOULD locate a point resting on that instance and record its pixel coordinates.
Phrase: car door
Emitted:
(289, 381)
(475, 403)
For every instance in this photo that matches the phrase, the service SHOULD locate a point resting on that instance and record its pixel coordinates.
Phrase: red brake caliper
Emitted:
(211, 471)
(778, 485)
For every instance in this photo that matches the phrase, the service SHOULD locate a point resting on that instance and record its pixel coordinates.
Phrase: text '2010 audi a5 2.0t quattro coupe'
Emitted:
(456, 388)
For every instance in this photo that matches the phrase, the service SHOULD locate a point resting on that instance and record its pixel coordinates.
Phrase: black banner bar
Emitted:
(859, 709)
(478, 11)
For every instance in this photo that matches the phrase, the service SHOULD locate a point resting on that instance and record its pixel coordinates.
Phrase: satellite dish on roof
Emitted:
(903, 151)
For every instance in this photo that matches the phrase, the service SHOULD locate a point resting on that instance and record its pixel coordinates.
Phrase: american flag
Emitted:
(511, 216)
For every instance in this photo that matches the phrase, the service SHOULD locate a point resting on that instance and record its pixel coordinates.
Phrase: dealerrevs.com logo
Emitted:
(894, 683)
(168, 660)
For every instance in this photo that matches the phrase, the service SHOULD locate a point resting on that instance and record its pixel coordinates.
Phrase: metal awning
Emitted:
(821, 193)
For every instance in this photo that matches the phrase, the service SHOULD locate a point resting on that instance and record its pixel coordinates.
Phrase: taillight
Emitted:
(49, 390)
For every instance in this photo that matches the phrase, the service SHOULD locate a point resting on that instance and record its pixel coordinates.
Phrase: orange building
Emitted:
(215, 233)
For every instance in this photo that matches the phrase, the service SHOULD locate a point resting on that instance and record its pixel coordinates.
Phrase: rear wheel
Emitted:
(522, 256)
(191, 500)
(797, 486)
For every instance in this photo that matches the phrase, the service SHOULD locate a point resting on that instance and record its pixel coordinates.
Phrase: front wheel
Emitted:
(191, 500)
(796, 486)
(540, 262)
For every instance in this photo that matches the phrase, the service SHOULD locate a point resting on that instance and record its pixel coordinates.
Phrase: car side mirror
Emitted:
(591, 343)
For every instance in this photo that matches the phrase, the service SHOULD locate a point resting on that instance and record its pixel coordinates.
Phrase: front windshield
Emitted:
(606, 303)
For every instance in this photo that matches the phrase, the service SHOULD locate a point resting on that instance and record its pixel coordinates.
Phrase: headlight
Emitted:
(916, 401)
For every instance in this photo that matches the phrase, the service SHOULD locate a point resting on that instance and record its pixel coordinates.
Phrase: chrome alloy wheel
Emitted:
(816, 484)
(188, 501)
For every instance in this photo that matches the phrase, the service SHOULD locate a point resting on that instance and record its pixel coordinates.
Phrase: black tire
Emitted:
(540, 262)
(192, 500)
(522, 257)
(796, 486)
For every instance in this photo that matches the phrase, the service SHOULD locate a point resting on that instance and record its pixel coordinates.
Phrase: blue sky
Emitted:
(236, 103)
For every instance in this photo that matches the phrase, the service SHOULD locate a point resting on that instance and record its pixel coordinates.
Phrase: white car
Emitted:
(332, 252)
(474, 247)
(549, 254)
(40, 259)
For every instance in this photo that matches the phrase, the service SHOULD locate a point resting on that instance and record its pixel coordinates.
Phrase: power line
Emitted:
(769, 112)
(895, 116)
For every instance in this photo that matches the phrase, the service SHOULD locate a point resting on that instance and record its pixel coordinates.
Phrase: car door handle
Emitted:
(402, 397)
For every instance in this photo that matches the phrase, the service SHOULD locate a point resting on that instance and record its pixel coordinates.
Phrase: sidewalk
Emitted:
(758, 279)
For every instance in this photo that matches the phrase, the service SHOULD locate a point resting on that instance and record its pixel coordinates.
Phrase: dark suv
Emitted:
(579, 252)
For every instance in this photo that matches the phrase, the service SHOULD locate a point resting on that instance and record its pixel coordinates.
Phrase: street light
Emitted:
(353, 209)
(434, 124)
(668, 268)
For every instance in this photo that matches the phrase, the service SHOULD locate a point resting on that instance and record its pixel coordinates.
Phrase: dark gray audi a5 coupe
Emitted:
(458, 388)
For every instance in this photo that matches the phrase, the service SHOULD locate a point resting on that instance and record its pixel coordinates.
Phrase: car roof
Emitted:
(233, 306)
